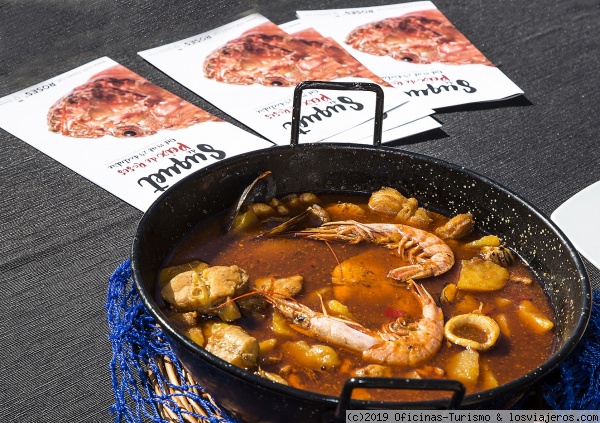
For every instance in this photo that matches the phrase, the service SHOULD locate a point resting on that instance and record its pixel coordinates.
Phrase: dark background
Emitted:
(61, 236)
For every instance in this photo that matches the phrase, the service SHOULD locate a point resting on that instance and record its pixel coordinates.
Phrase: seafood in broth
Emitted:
(395, 343)
(311, 306)
(432, 257)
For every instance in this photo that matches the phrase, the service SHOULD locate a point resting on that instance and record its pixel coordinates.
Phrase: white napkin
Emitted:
(579, 219)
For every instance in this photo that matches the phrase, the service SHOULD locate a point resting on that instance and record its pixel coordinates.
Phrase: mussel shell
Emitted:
(261, 189)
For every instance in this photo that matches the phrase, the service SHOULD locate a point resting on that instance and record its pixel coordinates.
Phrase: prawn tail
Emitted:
(412, 271)
(438, 264)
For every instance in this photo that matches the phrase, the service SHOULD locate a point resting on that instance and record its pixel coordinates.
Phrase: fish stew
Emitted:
(384, 288)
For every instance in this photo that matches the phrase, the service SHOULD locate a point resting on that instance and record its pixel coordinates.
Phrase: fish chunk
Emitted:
(201, 291)
(232, 344)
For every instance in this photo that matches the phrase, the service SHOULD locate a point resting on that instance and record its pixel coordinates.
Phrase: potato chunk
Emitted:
(195, 334)
(339, 309)
(502, 321)
(229, 312)
(533, 317)
(485, 241)
(467, 304)
(464, 366)
(488, 377)
(479, 275)
(313, 357)
(280, 326)
(267, 345)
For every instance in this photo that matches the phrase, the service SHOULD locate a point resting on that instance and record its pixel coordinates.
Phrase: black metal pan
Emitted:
(321, 167)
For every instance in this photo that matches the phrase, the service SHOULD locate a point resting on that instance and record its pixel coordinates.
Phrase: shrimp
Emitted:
(396, 343)
(428, 254)
(413, 343)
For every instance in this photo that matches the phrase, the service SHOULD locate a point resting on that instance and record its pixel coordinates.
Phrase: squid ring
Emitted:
(484, 324)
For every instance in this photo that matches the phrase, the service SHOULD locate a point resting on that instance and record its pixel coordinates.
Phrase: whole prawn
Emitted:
(428, 254)
(396, 343)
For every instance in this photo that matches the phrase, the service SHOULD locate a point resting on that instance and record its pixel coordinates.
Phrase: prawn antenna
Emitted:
(251, 293)
(336, 259)
(332, 252)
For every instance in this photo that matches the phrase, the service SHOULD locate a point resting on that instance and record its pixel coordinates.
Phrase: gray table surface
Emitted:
(61, 236)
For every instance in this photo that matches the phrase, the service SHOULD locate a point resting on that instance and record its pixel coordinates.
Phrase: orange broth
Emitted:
(374, 302)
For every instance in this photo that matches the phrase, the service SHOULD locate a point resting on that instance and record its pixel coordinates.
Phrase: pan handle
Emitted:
(340, 86)
(397, 383)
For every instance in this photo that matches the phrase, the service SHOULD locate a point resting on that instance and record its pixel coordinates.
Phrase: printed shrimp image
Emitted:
(397, 343)
(429, 255)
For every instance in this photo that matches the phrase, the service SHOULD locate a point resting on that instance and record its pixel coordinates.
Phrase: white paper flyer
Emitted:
(415, 48)
(120, 131)
(363, 132)
(250, 67)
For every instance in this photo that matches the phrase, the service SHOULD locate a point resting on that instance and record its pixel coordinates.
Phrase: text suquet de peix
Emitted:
(202, 153)
(460, 84)
(325, 113)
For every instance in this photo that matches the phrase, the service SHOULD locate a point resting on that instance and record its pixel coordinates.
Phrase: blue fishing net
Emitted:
(142, 391)
(137, 342)
(575, 385)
